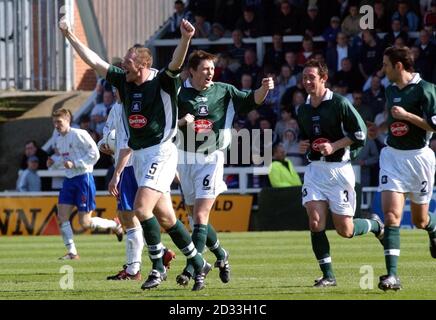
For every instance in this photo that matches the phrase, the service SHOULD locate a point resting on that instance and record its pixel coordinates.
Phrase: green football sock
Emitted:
(392, 249)
(321, 248)
(151, 229)
(213, 243)
(182, 240)
(431, 227)
(363, 226)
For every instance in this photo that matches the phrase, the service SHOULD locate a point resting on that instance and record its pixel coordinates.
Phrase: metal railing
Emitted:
(33, 54)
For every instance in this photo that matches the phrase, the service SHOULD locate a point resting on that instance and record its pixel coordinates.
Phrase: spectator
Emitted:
(282, 173)
(202, 27)
(368, 162)
(371, 54)
(28, 180)
(399, 43)
(222, 70)
(252, 121)
(291, 144)
(351, 24)
(408, 19)
(275, 56)
(312, 24)
(331, 32)
(286, 122)
(238, 48)
(307, 51)
(382, 128)
(286, 21)
(337, 53)
(246, 82)
(217, 32)
(349, 76)
(395, 33)
(364, 110)
(381, 19)
(291, 62)
(252, 26)
(384, 81)
(180, 13)
(31, 149)
(427, 56)
(250, 66)
(288, 96)
(100, 111)
(430, 15)
(285, 80)
(375, 96)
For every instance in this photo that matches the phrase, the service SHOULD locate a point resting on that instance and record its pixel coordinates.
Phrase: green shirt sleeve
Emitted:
(243, 101)
(429, 104)
(170, 81)
(116, 77)
(354, 126)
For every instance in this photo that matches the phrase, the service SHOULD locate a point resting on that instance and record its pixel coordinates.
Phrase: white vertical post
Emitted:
(69, 61)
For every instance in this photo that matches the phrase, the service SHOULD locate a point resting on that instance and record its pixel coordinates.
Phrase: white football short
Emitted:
(201, 177)
(408, 171)
(155, 167)
(332, 182)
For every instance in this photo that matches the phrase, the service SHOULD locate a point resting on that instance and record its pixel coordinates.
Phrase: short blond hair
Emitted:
(143, 56)
(62, 113)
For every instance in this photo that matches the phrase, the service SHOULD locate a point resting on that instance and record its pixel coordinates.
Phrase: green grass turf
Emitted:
(265, 265)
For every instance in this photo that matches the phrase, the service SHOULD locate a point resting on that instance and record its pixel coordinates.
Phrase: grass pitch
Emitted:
(265, 266)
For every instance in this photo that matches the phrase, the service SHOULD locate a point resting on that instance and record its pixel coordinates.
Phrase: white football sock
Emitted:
(134, 249)
(102, 224)
(67, 235)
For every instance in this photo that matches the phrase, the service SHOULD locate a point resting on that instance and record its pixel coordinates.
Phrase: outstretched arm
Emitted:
(187, 30)
(88, 56)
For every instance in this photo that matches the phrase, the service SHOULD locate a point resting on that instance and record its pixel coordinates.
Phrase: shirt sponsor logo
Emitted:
(399, 129)
(137, 121)
(317, 142)
(396, 100)
(360, 135)
(203, 126)
(203, 110)
(136, 106)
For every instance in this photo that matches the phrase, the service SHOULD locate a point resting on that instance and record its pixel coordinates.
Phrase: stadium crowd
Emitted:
(354, 58)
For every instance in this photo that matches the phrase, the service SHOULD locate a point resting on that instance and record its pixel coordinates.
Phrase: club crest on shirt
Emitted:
(317, 129)
(203, 110)
(136, 106)
(399, 129)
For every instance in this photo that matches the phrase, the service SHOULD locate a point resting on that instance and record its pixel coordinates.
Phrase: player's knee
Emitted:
(315, 226)
(86, 224)
(420, 223)
(390, 218)
(166, 222)
(345, 232)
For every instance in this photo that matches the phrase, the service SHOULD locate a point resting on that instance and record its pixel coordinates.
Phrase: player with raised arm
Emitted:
(151, 116)
(207, 110)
